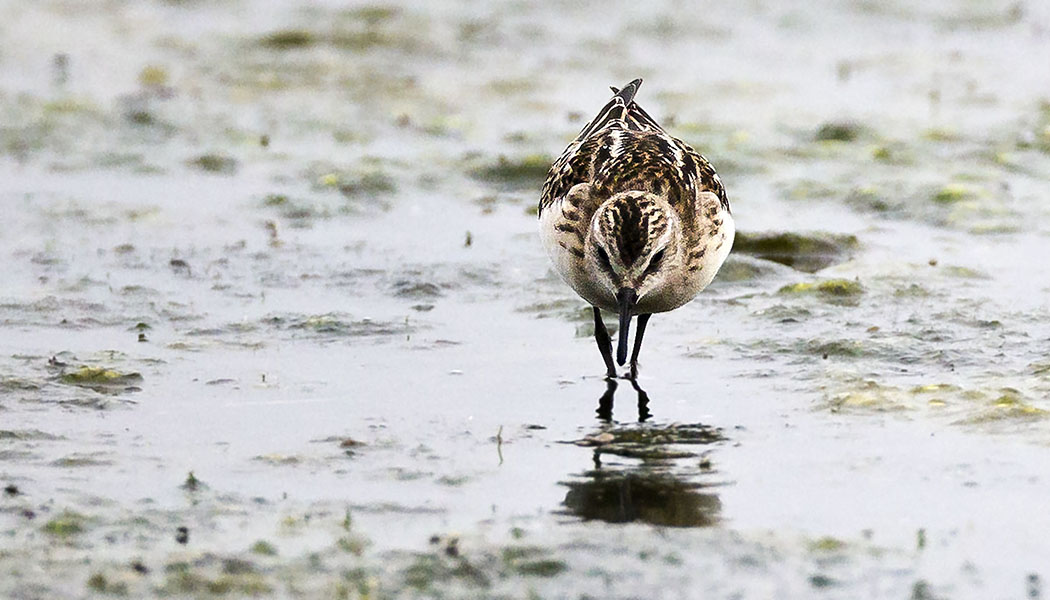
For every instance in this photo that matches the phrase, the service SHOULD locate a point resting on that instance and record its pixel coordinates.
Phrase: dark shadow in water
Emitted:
(605, 403)
(657, 498)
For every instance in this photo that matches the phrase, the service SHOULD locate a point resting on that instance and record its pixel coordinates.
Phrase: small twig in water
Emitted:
(499, 444)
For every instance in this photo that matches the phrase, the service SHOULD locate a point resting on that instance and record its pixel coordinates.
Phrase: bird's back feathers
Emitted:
(625, 149)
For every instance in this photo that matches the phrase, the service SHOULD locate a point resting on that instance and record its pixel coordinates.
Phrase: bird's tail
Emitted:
(628, 91)
(616, 108)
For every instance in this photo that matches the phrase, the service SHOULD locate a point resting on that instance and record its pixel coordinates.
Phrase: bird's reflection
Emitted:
(671, 486)
(605, 403)
(657, 498)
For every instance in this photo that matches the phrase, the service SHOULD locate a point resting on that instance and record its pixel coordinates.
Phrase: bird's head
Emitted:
(631, 249)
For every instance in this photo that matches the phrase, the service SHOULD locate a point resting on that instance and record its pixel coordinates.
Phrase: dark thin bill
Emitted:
(625, 301)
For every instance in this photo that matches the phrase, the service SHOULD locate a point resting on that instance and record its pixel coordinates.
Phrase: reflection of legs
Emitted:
(642, 321)
(643, 402)
(601, 335)
(605, 403)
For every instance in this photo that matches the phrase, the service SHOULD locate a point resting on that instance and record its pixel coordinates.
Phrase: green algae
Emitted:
(956, 192)
(912, 290)
(935, 388)
(184, 578)
(809, 252)
(192, 484)
(371, 14)
(867, 396)
(1040, 368)
(351, 544)
(359, 29)
(526, 171)
(76, 461)
(965, 406)
(657, 443)
(810, 189)
(364, 187)
(512, 554)
(478, 572)
(821, 581)
(941, 134)
(12, 384)
(65, 525)
(334, 325)
(288, 39)
(429, 570)
(367, 184)
(263, 548)
(830, 290)
(100, 377)
(738, 269)
(101, 584)
(840, 348)
(841, 131)
(827, 544)
(220, 164)
(883, 154)
(153, 75)
(541, 568)
(964, 272)
(675, 433)
(27, 435)
(1009, 405)
(299, 213)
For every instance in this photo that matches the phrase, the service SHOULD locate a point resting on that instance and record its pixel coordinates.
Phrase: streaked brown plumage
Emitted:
(635, 220)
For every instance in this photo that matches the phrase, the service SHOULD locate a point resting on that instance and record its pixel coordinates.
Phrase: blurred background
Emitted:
(275, 318)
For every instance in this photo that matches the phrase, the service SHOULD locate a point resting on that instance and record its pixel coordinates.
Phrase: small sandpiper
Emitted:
(636, 221)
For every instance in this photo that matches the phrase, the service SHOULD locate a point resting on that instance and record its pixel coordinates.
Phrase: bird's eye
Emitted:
(654, 262)
(604, 258)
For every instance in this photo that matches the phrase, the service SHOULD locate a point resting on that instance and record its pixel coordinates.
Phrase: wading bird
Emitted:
(634, 220)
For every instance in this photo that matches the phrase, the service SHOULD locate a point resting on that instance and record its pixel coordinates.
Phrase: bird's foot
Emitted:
(632, 374)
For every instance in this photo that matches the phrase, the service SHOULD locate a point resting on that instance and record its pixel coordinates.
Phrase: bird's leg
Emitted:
(642, 320)
(605, 403)
(601, 335)
(643, 402)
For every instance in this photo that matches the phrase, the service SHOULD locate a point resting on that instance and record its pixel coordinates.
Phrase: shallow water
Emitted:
(272, 276)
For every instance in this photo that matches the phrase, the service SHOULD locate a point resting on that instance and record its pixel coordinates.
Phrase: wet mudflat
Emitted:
(275, 319)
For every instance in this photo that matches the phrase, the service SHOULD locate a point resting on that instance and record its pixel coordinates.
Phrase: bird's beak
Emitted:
(626, 298)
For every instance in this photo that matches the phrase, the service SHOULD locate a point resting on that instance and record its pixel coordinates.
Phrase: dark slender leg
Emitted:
(601, 335)
(605, 403)
(642, 321)
(643, 402)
